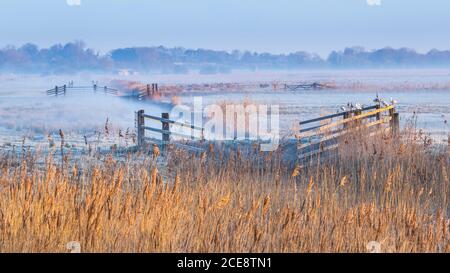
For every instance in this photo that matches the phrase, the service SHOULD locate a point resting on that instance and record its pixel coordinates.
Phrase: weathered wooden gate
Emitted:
(64, 89)
(164, 130)
(323, 133)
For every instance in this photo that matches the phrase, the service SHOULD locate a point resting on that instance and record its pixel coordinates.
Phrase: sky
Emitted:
(275, 26)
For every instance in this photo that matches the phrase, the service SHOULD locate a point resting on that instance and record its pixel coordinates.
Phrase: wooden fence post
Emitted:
(347, 115)
(64, 88)
(56, 90)
(140, 128)
(377, 107)
(357, 112)
(202, 135)
(378, 115)
(166, 128)
(395, 123)
(148, 90)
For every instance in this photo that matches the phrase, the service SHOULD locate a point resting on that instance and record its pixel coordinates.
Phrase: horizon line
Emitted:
(106, 52)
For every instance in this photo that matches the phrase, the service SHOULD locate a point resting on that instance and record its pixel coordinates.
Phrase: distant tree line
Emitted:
(73, 57)
(388, 57)
(56, 59)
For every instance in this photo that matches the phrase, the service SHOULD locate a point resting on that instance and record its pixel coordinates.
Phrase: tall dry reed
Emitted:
(387, 190)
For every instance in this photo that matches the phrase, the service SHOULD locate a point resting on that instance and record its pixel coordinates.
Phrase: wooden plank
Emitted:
(319, 151)
(173, 122)
(312, 128)
(320, 126)
(344, 121)
(188, 147)
(342, 132)
(323, 118)
(184, 146)
(156, 130)
(334, 146)
(63, 89)
(168, 132)
(305, 86)
(154, 140)
(335, 115)
(155, 118)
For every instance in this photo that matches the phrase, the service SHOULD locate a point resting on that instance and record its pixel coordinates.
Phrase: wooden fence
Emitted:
(164, 129)
(315, 137)
(146, 91)
(323, 133)
(62, 90)
(306, 86)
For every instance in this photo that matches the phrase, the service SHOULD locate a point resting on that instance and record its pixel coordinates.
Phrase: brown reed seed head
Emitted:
(111, 204)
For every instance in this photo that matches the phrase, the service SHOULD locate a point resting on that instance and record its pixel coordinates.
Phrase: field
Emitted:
(69, 172)
(26, 111)
(389, 190)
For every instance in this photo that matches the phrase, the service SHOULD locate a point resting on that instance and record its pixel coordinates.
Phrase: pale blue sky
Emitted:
(276, 26)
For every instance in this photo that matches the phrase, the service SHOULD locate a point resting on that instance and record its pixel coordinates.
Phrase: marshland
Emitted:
(68, 172)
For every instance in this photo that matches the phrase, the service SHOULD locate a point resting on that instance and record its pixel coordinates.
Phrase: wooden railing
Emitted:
(145, 91)
(305, 86)
(318, 138)
(164, 130)
(62, 90)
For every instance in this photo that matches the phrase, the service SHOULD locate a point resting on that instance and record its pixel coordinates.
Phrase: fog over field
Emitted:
(236, 128)
(25, 110)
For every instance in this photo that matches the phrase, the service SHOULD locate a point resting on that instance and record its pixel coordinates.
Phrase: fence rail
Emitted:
(164, 130)
(315, 136)
(305, 86)
(173, 122)
(147, 91)
(317, 139)
(62, 90)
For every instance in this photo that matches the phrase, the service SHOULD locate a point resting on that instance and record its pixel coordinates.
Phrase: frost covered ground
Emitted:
(28, 116)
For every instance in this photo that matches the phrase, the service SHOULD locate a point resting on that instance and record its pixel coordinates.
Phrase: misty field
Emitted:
(59, 185)
(392, 191)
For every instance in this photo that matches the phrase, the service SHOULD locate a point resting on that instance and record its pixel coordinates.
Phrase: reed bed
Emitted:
(389, 190)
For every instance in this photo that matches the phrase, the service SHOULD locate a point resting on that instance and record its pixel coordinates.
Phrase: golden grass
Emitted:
(390, 191)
